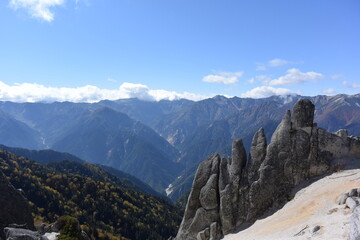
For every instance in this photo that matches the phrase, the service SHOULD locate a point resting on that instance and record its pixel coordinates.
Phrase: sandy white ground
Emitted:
(311, 206)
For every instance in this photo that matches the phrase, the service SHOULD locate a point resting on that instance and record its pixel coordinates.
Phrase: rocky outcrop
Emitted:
(228, 194)
(303, 114)
(257, 155)
(351, 200)
(355, 224)
(14, 207)
(199, 215)
(22, 234)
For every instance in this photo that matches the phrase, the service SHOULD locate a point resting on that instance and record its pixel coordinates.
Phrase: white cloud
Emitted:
(37, 8)
(31, 92)
(251, 81)
(277, 62)
(261, 67)
(223, 77)
(351, 85)
(263, 78)
(329, 91)
(336, 76)
(295, 76)
(266, 91)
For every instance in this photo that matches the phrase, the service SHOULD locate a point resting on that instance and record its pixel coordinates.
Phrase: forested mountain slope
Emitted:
(94, 198)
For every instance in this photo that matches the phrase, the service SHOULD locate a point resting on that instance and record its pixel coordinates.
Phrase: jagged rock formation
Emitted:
(14, 207)
(229, 193)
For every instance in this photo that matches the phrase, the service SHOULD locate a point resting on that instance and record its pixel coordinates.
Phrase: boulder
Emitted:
(315, 229)
(351, 203)
(342, 198)
(355, 224)
(22, 234)
(353, 192)
(53, 235)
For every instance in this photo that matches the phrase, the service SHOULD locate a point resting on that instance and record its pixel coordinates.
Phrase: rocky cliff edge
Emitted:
(230, 194)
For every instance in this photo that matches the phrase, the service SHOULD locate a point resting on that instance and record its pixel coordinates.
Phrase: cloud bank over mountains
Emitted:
(266, 86)
(32, 92)
(266, 91)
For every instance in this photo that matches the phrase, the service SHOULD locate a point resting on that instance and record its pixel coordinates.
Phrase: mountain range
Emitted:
(162, 142)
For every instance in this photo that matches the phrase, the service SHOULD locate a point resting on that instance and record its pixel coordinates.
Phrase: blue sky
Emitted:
(87, 50)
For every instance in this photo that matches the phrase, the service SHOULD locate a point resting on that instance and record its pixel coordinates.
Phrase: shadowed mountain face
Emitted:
(146, 112)
(103, 133)
(18, 134)
(112, 138)
(95, 134)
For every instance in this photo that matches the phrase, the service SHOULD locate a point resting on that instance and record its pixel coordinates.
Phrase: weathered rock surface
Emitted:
(342, 198)
(14, 208)
(353, 192)
(303, 113)
(257, 155)
(198, 217)
(351, 203)
(229, 193)
(23, 234)
(355, 224)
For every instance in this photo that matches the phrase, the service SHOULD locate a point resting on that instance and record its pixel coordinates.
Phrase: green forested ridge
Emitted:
(134, 180)
(68, 163)
(41, 156)
(99, 204)
(102, 173)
